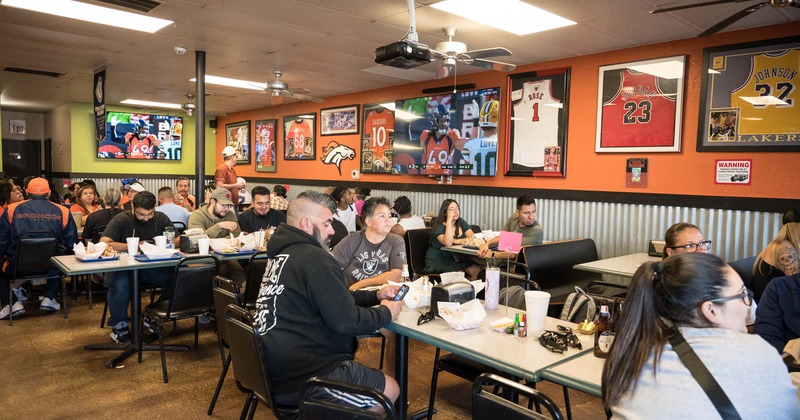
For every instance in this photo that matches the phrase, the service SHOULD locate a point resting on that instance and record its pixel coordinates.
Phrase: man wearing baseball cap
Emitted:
(218, 220)
(225, 176)
(36, 214)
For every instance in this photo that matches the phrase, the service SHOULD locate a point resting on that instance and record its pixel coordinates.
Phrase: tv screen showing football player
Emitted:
(141, 136)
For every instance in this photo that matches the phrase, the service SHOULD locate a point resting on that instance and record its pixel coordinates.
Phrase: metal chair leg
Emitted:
(434, 380)
(566, 402)
(225, 365)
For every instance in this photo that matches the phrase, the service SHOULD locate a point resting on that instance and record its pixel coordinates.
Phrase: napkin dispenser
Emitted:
(460, 291)
(656, 248)
(189, 243)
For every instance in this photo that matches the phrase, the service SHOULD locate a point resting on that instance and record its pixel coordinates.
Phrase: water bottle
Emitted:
(169, 233)
(425, 296)
(492, 295)
(404, 274)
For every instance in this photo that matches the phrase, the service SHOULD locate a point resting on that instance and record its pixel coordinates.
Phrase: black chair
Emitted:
(248, 355)
(95, 238)
(551, 266)
(180, 227)
(475, 228)
(225, 293)
(744, 268)
(32, 261)
(486, 405)
(417, 243)
(191, 296)
(312, 409)
(256, 266)
(460, 366)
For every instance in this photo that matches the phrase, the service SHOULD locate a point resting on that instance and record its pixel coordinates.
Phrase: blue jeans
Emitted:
(51, 291)
(119, 293)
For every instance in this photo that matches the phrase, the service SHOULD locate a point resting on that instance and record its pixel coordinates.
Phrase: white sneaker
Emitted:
(49, 305)
(18, 309)
(21, 294)
(5, 312)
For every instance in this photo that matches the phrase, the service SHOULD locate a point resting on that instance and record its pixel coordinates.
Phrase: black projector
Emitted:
(402, 54)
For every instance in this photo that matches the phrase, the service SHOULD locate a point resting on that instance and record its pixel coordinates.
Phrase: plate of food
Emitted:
(234, 252)
(108, 254)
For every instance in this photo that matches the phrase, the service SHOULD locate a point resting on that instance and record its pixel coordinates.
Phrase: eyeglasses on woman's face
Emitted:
(692, 247)
(746, 296)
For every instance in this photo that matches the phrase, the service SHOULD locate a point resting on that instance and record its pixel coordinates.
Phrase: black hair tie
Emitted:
(657, 272)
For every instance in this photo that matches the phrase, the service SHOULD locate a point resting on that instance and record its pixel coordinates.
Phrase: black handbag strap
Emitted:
(703, 377)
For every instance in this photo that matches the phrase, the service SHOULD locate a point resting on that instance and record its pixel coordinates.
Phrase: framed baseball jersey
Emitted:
(266, 147)
(639, 106)
(377, 140)
(750, 97)
(299, 140)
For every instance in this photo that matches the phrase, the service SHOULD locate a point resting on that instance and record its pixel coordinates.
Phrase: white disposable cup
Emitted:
(202, 246)
(161, 241)
(492, 294)
(133, 245)
(259, 238)
(796, 381)
(536, 304)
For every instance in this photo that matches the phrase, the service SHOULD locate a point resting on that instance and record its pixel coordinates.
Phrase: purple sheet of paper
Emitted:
(509, 242)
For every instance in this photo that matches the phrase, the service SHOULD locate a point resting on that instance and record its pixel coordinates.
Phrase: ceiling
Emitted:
(324, 46)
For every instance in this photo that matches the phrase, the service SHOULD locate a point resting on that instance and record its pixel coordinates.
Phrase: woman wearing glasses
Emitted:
(449, 229)
(699, 300)
(684, 237)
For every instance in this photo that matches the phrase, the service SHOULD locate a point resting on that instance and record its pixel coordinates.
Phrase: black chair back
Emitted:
(225, 293)
(475, 228)
(96, 234)
(551, 266)
(311, 409)
(192, 285)
(180, 227)
(744, 268)
(486, 405)
(255, 273)
(34, 250)
(417, 243)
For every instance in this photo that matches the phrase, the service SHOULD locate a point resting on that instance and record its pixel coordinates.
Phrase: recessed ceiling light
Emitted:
(224, 81)
(151, 103)
(91, 13)
(508, 15)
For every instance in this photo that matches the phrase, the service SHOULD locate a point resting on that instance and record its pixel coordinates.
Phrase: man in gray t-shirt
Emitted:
(372, 256)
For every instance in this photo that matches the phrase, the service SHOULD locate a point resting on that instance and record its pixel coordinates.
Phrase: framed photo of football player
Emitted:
(337, 121)
(265, 147)
(537, 123)
(299, 141)
(640, 105)
(750, 98)
(237, 135)
(377, 139)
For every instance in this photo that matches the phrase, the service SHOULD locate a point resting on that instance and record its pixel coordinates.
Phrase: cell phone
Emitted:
(402, 292)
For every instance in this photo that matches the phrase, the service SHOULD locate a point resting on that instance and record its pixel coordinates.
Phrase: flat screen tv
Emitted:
(453, 134)
(141, 136)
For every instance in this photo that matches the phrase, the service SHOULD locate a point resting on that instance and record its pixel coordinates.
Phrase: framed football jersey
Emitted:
(640, 106)
(266, 146)
(298, 137)
(377, 139)
(750, 98)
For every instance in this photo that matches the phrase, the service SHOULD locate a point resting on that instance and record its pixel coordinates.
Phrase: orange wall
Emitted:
(687, 172)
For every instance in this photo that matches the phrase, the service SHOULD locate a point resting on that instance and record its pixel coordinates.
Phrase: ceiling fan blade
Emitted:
(730, 20)
(492, 65)
(303, 97)
(487, 53)
(444, 70)
(692, 6)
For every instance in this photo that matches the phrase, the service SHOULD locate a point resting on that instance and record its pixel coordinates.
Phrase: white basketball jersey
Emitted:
(535, 123)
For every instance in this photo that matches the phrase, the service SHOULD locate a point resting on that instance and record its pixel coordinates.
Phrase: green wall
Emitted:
(84, 149)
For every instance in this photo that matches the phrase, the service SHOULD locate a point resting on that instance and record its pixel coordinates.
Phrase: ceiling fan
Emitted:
(452, 52)
(733, 18)
(278, 88)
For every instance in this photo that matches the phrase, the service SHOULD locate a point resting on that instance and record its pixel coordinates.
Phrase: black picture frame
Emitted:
(266, 145)
(237, 135)
(300, 125)
(338, 121)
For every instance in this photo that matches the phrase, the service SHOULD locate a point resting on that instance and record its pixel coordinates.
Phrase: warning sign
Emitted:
(733, 171)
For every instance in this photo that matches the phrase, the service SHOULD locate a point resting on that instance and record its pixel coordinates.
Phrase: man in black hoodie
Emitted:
(306, 316)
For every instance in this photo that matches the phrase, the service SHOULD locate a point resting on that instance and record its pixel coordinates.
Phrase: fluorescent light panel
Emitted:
(139, 102)
(508, 15)
(224, 81)
(91, 13)
(763, 100)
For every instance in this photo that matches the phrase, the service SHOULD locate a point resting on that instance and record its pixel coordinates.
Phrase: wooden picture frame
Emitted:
(338, 121)
(749, 100)
(377, 139)
(640, 106)
(237, 135)
(266, 148)
(299, 138)
(538, 108)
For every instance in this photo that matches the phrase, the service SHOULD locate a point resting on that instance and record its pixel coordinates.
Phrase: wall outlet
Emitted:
(355, 174)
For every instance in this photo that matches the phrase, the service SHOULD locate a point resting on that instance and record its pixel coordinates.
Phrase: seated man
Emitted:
(372, 256)
(260, 215)
(166, 205)
(778, 313)
(146, 223)
(307, 317)
(37, 213)
(522, 221)
(182, 189)
(218, 220)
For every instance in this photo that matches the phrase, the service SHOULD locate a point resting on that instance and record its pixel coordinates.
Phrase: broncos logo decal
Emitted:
(334, 153)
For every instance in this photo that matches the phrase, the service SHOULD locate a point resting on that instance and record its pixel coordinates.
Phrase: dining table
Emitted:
(622, 266)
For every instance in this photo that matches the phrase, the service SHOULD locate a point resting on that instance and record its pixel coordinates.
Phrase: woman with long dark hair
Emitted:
(449, 229)
(699, 298)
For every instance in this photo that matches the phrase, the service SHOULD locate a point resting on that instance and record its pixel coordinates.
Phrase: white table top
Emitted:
(582, 373)
(522, 357)
(460, 250)
(623, 266)
(71, 266)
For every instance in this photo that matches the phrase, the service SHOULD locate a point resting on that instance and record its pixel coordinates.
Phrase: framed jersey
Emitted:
(537, 123)
(237, 135)
(640, 106)
(751, 97)
(377, 139)
(299, 141)
(266, 147)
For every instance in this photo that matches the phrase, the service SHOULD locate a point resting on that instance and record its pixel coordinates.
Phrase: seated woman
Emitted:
(684, 237)
(449, 229)
(780, 258)
(85, 202)
(699, 298)
(406, 220)
(778, 319)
